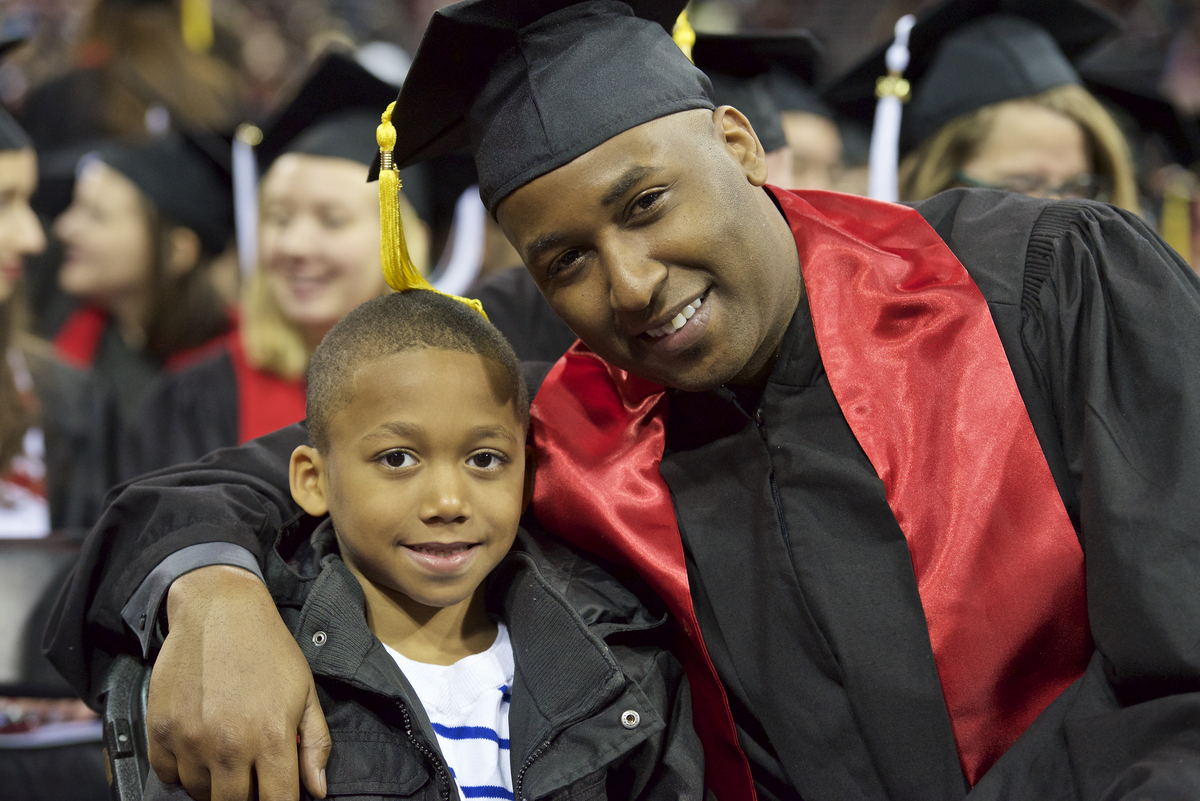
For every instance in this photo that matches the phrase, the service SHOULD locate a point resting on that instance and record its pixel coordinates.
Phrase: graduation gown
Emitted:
(218, 403)
(515, 305)
(90, 339)
(806, 596)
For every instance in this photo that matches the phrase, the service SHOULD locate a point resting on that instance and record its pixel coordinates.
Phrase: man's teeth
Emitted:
(678, 320)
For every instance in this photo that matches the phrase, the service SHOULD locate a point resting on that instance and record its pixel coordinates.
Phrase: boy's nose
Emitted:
(445, 501)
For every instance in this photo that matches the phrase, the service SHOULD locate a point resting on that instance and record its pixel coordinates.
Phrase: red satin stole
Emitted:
(266, 402)
(78, 340)
(913, 357)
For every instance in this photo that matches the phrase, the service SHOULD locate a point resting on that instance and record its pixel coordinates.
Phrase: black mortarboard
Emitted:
(787, 61)
(739, 73)
(1127, 74)
(12, 135)
(530, 85)
(966, 54)
(187, 176)
(333, 113)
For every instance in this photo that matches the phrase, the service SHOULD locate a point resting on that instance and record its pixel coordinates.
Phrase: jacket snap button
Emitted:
(630, 719)
(319, 639)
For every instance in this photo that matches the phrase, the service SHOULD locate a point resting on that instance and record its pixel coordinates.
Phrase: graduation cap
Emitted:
(529, 85)
(1127, 75)
(966, 54)
(759, 74)
(334, 113)
(187, 176)
(12, 135)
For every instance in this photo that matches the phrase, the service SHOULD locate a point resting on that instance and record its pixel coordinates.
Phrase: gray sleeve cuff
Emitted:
(141, 613)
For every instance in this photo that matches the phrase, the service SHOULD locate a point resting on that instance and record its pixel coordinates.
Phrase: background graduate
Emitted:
(318, 259)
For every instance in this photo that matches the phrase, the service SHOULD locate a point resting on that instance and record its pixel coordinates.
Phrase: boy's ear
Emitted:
(306, 474)
(530, 471)
(737, 135)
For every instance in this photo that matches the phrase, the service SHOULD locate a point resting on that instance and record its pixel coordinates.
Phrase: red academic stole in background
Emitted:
(917, 367)
(78, 340)
(266, 402)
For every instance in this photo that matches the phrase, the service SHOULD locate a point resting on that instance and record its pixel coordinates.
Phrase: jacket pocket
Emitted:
(367, 764)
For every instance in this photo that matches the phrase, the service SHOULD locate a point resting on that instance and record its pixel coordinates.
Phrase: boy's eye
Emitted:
(397, 459)
(486, 460)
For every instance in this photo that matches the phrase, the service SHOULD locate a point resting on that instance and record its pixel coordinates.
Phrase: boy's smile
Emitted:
(424, 478)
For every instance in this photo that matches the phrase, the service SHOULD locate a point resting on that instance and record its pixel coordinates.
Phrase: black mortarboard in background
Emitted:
(966, 54)
(529, 85)
(739, 74)
(187, 176)
(334, 113)
(12, 135)
(1126, 74)
(787, 60)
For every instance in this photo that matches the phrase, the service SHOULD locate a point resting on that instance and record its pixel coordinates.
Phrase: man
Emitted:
(863, 492)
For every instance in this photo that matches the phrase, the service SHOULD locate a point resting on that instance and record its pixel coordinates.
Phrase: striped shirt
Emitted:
(467, 703)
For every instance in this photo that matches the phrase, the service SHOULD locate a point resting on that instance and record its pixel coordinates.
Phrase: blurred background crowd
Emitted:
(184, 214)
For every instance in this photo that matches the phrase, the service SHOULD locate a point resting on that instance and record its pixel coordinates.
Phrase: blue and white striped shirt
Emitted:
(467, 703)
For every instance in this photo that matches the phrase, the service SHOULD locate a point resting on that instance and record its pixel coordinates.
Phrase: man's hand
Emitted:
(229, 694)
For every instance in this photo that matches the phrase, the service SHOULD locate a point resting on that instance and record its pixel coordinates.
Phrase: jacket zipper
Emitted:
(521, 773)
(443, 777)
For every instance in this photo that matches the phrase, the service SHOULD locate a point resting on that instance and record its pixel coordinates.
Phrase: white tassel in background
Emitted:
(893, 92)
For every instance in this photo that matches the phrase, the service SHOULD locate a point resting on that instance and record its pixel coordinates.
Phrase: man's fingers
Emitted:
(163, 763)
(195, 780)
(230, 784)
(314, 746)
(158, 746)
(276, 770)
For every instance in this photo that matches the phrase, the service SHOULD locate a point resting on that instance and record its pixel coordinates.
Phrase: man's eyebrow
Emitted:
(628, 179)
(538, 247)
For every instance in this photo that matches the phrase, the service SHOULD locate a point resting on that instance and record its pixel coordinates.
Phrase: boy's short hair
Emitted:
(395, 323)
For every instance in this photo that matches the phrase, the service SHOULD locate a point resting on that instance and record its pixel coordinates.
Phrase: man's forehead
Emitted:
(608, 171)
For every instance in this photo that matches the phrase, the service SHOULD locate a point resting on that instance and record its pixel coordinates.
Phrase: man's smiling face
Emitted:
(661, 252)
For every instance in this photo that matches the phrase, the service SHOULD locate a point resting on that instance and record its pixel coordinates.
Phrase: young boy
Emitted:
(523, 670)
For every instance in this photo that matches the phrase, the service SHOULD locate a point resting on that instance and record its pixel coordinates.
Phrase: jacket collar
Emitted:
(565, 674)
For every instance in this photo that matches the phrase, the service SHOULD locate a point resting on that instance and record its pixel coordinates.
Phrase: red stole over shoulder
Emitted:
(78, 340)
(266, 402)
(913, 357)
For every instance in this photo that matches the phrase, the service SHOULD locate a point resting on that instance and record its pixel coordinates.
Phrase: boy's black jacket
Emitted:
(587, 654)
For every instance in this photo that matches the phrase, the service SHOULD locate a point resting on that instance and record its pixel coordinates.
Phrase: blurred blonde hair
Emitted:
(274, 343)
(934, 165)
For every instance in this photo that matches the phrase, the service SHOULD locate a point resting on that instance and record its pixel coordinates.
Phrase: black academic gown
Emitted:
(185, 415)
(805, 591)
(515, 305)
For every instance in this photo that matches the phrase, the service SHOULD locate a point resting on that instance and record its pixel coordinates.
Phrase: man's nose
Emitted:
(633, 279)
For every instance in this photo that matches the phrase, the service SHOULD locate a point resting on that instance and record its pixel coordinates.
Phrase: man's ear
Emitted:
(184, 255)
(736, 134)
(530, 471)
(306, 474)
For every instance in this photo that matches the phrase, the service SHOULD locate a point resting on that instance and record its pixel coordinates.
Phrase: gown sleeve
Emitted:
(238, 496)
(1111, 323)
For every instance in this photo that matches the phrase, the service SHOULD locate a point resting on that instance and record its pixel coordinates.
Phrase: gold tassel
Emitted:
(398, 267)
(196, 18)
(683, 34)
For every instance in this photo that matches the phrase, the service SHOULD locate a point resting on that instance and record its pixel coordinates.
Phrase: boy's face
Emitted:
(424, 475)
